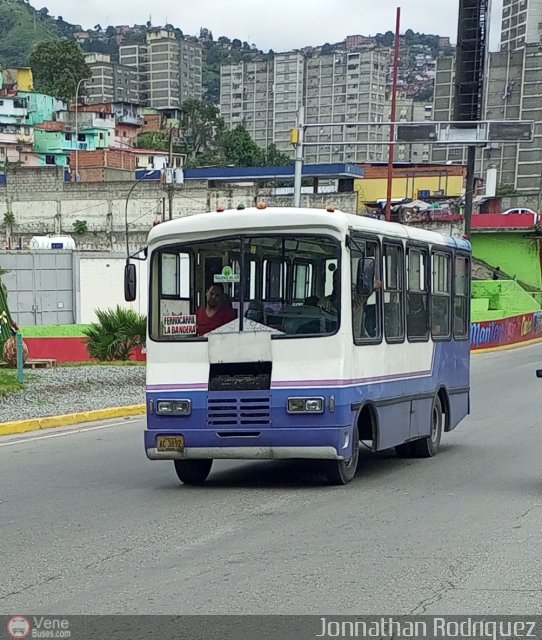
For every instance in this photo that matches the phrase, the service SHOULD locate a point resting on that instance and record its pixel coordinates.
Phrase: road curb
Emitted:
(508, 347)
(69, 420)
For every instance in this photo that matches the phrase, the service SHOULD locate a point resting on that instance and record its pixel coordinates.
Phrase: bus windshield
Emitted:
(286, 286)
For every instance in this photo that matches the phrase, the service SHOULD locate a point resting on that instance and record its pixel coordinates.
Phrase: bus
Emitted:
(298, 333)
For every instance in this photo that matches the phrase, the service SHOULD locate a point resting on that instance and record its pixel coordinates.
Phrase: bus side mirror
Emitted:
(365, 283)
(130, 282)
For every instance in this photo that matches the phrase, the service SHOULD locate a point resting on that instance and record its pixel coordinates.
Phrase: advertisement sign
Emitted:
(499, 333)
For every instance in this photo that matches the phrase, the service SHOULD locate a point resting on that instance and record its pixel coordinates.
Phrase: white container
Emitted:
(66, 243)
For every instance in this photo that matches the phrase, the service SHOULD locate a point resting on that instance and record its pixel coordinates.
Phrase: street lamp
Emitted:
(145, 175)
(77, 86)
(77, 129)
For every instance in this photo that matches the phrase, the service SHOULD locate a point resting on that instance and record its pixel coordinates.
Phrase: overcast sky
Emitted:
(274, 24)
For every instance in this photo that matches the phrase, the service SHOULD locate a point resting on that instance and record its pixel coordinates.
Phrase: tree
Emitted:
(236, 43)
(239, 149)
(223, 41)
(98, 28)
(110, 32)
(58, 65)
(201, 124)
(275, 158)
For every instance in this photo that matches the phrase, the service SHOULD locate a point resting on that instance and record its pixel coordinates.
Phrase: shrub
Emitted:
(116, 334)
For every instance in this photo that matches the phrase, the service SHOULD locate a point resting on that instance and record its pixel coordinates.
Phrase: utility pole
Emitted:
(297, 141)
(170, 185)
(393, 112)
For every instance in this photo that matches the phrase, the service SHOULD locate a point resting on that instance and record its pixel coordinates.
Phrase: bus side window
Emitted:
(365, 309)
(441, 296)
(418, 295)
(393, 293)
(461, 298)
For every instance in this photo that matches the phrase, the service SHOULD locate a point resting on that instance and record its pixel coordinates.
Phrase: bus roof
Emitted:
(273, 219)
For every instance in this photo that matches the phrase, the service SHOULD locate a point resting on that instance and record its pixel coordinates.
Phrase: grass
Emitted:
(60, 331)
(8, 382)
(113, 363)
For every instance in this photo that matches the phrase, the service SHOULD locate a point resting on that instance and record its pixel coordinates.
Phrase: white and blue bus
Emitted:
(282, 333)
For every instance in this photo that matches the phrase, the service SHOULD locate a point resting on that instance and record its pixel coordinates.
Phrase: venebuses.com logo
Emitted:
(21, 627)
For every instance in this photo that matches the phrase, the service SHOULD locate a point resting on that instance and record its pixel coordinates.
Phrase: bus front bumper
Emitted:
(247, 453)
(269, 444)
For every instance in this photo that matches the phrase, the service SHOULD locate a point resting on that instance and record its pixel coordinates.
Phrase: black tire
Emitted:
(428, 447)
(425, 447)
(341, 472)
(404, 450)
(193, 472)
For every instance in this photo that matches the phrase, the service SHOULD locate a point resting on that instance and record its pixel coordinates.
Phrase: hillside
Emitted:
(22, 27)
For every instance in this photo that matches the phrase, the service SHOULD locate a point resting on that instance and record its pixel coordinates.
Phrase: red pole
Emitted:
(393, 111)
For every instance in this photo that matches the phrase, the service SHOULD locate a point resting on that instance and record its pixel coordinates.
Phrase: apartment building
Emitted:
(343, 88)
(521, 23)
(404, 113)
(513, 92)
(170, 69)
(265, 95)
(110, 82)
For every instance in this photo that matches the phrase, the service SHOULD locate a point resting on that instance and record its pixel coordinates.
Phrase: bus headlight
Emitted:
(305, 405)
(174, 407)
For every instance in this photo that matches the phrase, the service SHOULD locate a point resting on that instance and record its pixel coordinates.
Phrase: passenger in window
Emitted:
(365, 317)
(216, 313)
(311, 301)
(330, 303)
(418, 325)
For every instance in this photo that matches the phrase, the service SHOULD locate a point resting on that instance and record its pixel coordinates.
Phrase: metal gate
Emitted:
(40, 286)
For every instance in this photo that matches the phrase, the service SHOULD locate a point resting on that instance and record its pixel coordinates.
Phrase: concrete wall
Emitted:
(42, 202)
(516, 254)
(101, 286)
(496, 299)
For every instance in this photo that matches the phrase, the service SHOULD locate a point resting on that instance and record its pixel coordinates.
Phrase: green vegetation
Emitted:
(58, 66)
(8, 382)
(207, 141)
(61, 331)
(22, 27)
(116, 334)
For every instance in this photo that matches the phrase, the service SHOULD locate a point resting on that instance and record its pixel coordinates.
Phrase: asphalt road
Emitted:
(88, 525)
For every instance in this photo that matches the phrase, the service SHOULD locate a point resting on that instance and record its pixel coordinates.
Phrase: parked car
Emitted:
(516, 211)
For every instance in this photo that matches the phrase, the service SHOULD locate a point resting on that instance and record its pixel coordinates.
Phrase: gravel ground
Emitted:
(53, 392)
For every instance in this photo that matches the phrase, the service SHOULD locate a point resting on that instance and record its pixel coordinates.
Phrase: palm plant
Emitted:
(116, 334)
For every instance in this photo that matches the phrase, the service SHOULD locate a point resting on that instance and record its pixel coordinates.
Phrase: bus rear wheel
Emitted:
(193, 472)
(341, 472)
(425, 447)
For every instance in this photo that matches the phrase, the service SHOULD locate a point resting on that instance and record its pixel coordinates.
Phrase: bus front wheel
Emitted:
(341, 472)
(193, 472)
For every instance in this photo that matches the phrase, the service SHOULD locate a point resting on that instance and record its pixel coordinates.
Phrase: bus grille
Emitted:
(238, 412)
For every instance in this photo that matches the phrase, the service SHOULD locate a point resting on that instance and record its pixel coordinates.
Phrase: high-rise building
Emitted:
(170, 68)
(342, 88)
(137, 57)
(521, 23)
(513, 92)
(265, 96)
(110, 82)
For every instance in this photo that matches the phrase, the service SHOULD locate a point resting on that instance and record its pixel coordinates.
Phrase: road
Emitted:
(88, 525)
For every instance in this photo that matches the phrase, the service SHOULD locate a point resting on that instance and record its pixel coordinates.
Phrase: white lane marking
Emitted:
(72, 432)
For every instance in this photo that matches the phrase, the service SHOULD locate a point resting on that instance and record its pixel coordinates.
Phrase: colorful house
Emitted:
(55, 141)
(410, 181)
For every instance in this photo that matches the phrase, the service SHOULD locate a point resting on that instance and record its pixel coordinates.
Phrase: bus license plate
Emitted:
(170, 443)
